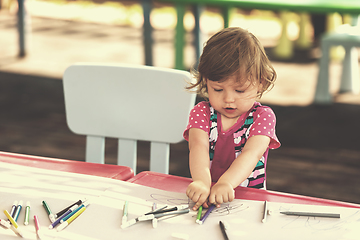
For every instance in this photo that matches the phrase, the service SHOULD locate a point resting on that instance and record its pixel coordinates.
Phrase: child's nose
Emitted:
(229, 97)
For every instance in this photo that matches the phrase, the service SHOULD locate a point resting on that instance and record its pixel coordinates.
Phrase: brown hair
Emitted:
(233, 51)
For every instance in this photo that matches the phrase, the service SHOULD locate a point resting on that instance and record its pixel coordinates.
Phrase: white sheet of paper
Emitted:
(102, 219)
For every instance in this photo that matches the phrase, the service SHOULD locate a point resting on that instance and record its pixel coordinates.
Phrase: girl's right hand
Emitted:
(198, 192)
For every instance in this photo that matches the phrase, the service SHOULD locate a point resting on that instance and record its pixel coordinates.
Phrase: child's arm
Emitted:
(240, 169)
(199, 162)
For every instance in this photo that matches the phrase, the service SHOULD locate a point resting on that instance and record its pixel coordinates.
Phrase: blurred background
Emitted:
(319, 156)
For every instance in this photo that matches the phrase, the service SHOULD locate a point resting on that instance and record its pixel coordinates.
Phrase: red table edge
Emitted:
(179, 184)
(95, 169)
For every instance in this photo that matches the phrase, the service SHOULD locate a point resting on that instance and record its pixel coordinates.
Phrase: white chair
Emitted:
(350, 72)
(130, 103)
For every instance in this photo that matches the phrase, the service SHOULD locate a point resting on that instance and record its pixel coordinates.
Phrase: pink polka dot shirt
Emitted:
(225, 146)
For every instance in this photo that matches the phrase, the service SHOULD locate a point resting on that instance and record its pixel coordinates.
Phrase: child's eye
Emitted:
(240, 91)
(217, 90)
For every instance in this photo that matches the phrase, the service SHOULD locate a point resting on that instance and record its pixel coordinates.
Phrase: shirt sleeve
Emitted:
(199, 117)
(264, 124)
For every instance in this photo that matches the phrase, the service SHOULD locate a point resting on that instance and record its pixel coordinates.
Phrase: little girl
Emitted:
(230, 135)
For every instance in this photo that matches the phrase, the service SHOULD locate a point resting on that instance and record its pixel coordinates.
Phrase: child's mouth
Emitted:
(230, 110)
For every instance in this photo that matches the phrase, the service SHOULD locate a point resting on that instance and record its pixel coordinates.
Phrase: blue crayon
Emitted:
(69, 211)
(73, 212)
(13, 208)
(17, 211)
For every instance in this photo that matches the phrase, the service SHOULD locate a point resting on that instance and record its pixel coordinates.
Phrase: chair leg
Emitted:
(95, 149)
(159, 157)
(322, 94)
(350, 73)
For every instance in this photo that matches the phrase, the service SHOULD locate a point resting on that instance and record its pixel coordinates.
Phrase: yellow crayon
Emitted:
(72, 218)
(15, 226)
(11, 219)
(67, 222)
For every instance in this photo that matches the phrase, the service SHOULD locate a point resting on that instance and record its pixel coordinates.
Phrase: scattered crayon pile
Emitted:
(59, 220)
(64, 217)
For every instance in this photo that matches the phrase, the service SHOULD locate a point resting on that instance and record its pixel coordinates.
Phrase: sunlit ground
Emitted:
(266, 25)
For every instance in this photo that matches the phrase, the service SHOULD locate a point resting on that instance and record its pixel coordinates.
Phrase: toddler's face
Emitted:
(232, 98)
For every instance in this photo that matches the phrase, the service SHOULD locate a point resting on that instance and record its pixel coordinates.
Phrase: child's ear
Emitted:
(206, 82)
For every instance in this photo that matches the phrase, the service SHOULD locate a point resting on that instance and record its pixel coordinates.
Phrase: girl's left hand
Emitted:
(221, 192)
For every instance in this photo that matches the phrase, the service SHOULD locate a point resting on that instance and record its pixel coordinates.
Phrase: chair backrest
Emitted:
(127, 102)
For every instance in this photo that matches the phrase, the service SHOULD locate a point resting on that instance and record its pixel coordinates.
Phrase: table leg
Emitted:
(304, 42)
(147, 31)
(180, 37)
(284, 48)
(198, 36)
(226, 12)
(22, 27)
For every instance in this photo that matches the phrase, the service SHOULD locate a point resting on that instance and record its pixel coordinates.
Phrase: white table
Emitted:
(102, 219)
